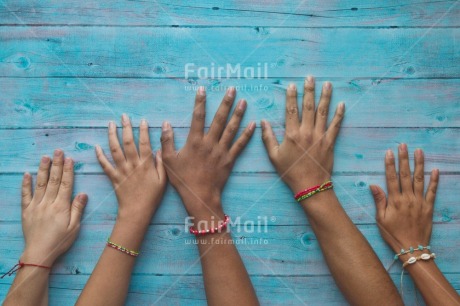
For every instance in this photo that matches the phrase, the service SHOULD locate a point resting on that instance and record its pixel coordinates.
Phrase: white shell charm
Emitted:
(425, 256)
(412, 260)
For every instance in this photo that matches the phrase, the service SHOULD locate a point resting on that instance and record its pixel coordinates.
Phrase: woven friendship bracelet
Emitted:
(121, 248)
(412, 250)
(304, 194)
(217, 229)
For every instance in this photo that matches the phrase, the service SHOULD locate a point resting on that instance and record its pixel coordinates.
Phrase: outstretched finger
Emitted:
(242, 141)
(26, 190)
(145, 147)
(334, 127)
(66, 187)
(109, 170)
(220, 119)
(308, 104)
(167, 139)
(232, 127)
(199, 114)
(391, 176)
(269, 139)
(432, 187)
(404, 169)
(42, 178)
(322, 111)
(54, 181)
(292, 111)
(128, 141)
(419, 173)
(76, 212)
(115, 148)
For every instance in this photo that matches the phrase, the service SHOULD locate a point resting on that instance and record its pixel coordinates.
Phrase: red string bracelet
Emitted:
(217, 229)
(19, 265)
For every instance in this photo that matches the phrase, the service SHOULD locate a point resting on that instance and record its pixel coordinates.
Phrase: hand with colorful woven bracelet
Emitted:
(304, 160)
(405, 220)
(50, 223)
(199, 172)
(139, 181)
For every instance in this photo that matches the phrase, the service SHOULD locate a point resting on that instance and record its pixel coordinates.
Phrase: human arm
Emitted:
(50, 224)
(199, 172)
(305, 159)
(139, 180)
(405, 219)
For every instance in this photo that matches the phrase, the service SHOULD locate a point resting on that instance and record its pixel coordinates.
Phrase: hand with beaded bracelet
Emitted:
(405, 220)
(139, 180)
(305, 161)
(198, 172)
(50, 223)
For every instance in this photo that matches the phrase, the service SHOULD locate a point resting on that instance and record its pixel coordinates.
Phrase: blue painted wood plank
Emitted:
(287, 52)
(357, 149)
(246, 195)
(189, 290)
(169, 249)
(69, 102)
(328, 13)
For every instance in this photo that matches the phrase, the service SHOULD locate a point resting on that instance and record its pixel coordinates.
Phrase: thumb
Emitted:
(380, 200)
(78, 206)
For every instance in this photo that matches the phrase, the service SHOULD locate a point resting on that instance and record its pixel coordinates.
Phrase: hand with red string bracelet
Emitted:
(50, 223)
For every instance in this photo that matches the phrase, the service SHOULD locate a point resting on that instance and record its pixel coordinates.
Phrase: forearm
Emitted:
(355, 267)
(109, 282)
(226, 280)
(431, 283)
(29, 286)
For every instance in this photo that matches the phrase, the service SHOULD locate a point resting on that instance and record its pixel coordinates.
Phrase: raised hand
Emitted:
(306, 155)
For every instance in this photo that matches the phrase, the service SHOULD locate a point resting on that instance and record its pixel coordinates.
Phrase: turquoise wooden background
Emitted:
(67, 67)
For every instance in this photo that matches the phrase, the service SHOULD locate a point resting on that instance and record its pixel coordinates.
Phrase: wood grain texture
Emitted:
(189, 290)
(251, 197)
(278, 250)
(357, 149)
(288, 52)
(69, 102)
(328, 13)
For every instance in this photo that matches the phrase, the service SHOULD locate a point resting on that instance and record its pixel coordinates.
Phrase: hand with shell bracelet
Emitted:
(405, 220)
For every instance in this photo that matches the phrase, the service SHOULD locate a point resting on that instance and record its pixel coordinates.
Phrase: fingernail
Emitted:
(390, 153)
(252, 125)
(68, 161)
(57, 153)
(373, 190)
(111, 124)
(125, 119)
(143, 122)
(231, 92)
(310, 79)
(45, 159)
(26, 175)
(98, 149)
(419, 153)
(403, 147)
(242, 105)
(83, 198)
(292, 86)
(341, 106)
(201, 90)
(165, 126)
(159, 154)
(327, 85)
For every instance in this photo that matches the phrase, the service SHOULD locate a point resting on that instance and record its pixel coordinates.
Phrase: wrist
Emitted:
(204, 207)
(303, 184)
(39, 258)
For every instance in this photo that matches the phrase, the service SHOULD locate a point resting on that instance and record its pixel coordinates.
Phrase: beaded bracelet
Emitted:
(413, 260)
(21, 264)
(217, 229)
(121, 249)
(411, 250)
(304, 194)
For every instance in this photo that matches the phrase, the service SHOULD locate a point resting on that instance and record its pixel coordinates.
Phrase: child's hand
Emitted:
(201, 168)
(405, 219)
(306, 155)
(138, 181)
(50, 222)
